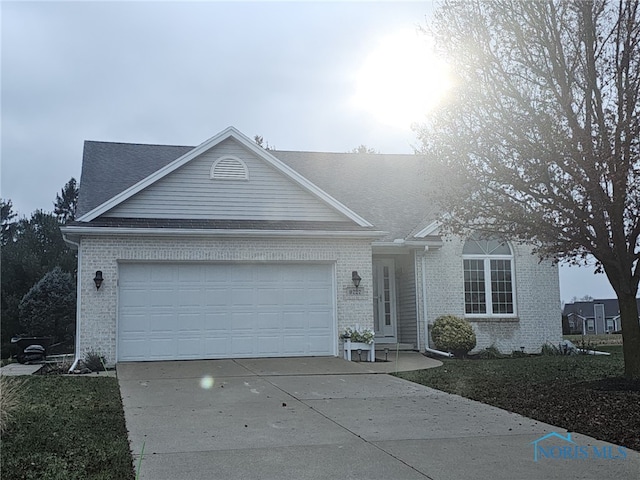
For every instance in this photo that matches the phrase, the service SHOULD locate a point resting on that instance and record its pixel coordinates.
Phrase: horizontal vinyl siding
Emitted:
(189, 192)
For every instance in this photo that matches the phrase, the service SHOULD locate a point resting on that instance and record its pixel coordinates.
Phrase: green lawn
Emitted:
(67, 428)
(581, 393)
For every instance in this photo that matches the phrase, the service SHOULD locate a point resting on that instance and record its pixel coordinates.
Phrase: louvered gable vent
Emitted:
(229, 168)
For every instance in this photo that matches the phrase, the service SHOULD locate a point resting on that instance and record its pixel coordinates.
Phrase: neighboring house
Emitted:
(229, 250)
(592, 317)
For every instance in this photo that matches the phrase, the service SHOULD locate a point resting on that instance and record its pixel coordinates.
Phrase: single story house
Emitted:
(592, 317)
(230, 250)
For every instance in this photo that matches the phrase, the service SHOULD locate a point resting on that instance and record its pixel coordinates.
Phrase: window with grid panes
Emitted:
(488, 277)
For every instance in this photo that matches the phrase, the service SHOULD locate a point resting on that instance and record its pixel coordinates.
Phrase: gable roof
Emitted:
(585, 308)
(228, 133)
(390, 191)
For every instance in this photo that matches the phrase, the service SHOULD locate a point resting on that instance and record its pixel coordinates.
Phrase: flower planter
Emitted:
(350, 346)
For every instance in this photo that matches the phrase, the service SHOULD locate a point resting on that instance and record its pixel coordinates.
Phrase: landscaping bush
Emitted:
(49, 308)
(94, 361)
(453, 334)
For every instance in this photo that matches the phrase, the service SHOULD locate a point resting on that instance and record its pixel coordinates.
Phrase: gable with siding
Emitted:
(259, 193)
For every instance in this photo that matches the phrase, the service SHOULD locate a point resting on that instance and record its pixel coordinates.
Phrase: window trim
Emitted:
(486, 259)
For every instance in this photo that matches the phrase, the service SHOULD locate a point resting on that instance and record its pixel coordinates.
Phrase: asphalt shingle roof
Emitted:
(388, 190)
(585, 308)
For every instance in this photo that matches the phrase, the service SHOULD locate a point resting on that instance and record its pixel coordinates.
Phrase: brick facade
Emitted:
(537, 299)
(98, 309)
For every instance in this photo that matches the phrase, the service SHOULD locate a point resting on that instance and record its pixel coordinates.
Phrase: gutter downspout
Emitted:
(415, 283)
(424, 310)
(78, 302)
(592, 352)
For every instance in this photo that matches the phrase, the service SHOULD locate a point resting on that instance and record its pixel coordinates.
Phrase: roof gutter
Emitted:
(411, 244)
(197, 232)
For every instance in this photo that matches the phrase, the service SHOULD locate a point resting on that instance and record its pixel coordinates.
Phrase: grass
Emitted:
(11, 395)
(67, 428)
(581, 393)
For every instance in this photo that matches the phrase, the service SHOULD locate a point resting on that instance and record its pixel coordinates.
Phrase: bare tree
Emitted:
(541, 141)
(364, 149)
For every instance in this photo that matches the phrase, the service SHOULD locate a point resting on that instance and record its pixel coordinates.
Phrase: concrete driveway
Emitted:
(325, 418)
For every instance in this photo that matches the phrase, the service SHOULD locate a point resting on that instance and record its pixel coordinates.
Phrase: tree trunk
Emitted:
(630, 335)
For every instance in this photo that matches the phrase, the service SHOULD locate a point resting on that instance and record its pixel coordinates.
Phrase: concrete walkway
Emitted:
(15, 369)
(325, 418)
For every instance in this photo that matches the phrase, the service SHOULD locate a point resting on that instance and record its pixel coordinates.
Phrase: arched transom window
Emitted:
(488, 277)
(229, 168)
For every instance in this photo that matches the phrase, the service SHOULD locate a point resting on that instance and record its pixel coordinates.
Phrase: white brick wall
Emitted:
(537, 298)
(98, 308)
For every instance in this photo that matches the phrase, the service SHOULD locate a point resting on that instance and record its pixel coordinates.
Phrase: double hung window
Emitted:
(488, 277)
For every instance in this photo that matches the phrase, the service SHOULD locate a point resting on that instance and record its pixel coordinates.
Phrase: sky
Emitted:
(303, 75)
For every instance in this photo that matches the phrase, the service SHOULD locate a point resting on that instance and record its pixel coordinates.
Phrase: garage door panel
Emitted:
(293, 296)
(134, 349)
(159, 276)
(315, 320)
(190, 322)
(134, 297)
(160, 297)
(318, 344)
(269, 296)
(318, 296)
(189, 273)
(216, 348)
(243, 321)
(225, 310)
(190, 297)
(243, 345)
(241, 273)
(163, 324)
(294, 320)
(269, 345)
(267, 321)
(242, 297)
(217, 296)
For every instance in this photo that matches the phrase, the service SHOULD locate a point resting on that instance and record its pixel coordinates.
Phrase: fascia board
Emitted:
(430, 229)
(172, 232)
(229, 132)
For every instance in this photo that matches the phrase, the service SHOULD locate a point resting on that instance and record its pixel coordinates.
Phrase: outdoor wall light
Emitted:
(98, 279)
(355, 278)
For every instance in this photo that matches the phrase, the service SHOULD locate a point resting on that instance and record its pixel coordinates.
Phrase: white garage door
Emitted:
(190, 311)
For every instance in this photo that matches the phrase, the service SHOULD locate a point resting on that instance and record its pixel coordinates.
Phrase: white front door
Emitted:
(384, 299)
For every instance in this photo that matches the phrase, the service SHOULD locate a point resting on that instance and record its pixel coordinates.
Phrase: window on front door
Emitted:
(488, 277)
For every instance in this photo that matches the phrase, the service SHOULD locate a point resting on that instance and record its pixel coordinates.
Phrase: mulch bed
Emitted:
(606, 409)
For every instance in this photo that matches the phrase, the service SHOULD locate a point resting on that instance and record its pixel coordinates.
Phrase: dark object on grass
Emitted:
(31, 349)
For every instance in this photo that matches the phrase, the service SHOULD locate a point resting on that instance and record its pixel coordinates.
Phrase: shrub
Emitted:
(453, 334)
(11, 394)
(491, 353)
(49, 308)
(94, 361)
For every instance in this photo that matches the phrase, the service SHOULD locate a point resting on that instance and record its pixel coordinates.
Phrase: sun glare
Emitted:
(401, 80)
